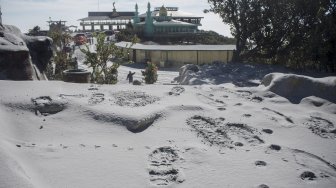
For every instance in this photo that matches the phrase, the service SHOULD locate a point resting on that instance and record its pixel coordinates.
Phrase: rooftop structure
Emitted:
(166, 22)
(56, 25)
(106, 20)
(175, 14)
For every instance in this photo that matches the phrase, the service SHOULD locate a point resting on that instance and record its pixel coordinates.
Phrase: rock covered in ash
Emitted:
(45, 105)
(186, 72)
(240, 74)
(136, 82)
(23, 57)
(296, 87)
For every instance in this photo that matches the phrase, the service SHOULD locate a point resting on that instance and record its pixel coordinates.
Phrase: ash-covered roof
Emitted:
(169, 23)
(174, 14)
(111, 14)
(172, 23)
(138, 46)
(108, 16)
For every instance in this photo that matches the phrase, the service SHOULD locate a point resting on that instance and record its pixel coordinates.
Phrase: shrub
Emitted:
(97, 60)
(102, 73)
(61, 61)
(61, 57)
(150, 73)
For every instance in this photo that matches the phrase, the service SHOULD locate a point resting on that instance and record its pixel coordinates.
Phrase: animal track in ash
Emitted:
(211, 100)
(96, 98)
(45, 105)
(275, 147)
(248, 95)
(163, 168)
(256, 99)
(268, 131)
(263, 186)
(244, 93)
(185, 108)
(260, 163)
(64, 96)
(230, 135)
(307, 175)
(176, 90)
(133, 98)
(247, 115)
(322, 127)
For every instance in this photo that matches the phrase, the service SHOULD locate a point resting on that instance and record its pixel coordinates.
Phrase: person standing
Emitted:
(130, 76)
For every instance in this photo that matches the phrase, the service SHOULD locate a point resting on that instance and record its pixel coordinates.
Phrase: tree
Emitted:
(98, 60)
(127, 35)
(210, 37)
(62, 57)
(298, 33)
(60, 39)
(236, 13)
(150, 73)
(35, 31)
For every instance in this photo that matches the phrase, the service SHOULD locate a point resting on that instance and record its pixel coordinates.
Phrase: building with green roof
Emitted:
(161, 22)
(165, 22)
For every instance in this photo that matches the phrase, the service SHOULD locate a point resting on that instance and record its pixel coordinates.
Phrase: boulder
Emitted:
(185, 72)
(23, 57)
(136, 82)
(191, 67)
(296, 87)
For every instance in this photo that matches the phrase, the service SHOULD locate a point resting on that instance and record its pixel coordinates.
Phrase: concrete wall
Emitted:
(211, 56)
(179, 58)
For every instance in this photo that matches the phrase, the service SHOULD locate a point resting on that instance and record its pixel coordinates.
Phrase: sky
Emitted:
(26, 14)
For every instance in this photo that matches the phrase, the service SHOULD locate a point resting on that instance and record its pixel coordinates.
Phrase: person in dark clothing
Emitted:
(130, 76)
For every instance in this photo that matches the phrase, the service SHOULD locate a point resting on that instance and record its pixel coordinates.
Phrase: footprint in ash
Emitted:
(96, 98)
(163, 169)
(322, 127)
(177, 90)
(263, 186)
(260, 163)
(212, 101)
(45, 105)
(268, 131)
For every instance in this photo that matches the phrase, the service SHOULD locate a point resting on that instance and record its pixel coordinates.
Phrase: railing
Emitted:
(171, 34)
(104, 23)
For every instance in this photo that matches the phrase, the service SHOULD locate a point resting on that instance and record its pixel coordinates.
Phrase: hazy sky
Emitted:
(26, 14)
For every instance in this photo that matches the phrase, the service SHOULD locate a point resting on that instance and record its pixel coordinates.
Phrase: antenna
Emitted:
(98, 5)
(0, 15)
